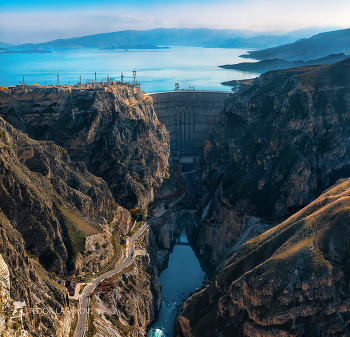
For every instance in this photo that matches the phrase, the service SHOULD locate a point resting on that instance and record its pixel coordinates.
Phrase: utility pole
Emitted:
(122, 78)
(58, 79)
(95, 77)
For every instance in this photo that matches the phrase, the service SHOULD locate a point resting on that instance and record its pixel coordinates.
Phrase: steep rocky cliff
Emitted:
(128, 302)
(54, 203)
(280, 143)
(31, 301)
(164, 228)
(4, 292)
(293, 280)
(222, 231)
(283, 140)
(112, 129)
(61, 214)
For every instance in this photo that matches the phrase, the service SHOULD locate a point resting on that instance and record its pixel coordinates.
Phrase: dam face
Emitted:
(188, 115)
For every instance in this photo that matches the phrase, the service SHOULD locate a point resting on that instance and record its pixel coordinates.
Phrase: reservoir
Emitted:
(185, 273)
(157, 70)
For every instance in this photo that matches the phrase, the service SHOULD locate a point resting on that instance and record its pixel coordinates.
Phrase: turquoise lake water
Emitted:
(157, 70)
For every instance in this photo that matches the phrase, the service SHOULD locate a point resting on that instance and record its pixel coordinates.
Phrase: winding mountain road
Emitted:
(83, 306)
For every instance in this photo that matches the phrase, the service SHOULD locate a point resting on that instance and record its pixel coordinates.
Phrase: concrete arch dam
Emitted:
(189, 115)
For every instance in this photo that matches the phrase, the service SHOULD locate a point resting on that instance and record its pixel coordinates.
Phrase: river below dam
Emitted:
(185, 273)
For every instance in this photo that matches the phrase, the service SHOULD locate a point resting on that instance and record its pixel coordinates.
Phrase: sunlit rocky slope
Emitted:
(293, 280)
(53, 209)
(112, 129)
(50, 200)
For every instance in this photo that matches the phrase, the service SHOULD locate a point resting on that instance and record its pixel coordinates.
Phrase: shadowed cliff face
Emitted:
(292, 280)
(283, 140)
(51, 201)
(280, 143)
(115, 132)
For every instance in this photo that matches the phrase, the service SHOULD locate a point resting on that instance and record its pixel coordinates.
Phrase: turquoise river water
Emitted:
(184, 274)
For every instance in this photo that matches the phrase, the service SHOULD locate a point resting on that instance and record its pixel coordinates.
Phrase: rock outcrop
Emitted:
(4, 292)
(129, 302)
(53, 202)
(292, 280)
(283, 140)
(112, 129)
(164, 229)
(31, 301)
(54, 211)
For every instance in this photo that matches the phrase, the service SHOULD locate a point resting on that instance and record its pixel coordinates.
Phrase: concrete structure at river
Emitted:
(189, 115)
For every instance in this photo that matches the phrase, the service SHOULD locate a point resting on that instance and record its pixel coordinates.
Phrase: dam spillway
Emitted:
(188, 115)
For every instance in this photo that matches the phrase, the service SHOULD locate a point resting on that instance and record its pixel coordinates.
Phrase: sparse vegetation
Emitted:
(138, 214)
(16, 324)
(91, 327)
(81, 224)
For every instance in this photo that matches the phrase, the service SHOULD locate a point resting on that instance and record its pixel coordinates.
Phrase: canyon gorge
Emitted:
(267, 203)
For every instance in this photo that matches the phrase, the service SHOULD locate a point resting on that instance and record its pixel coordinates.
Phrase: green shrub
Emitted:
(16, 324)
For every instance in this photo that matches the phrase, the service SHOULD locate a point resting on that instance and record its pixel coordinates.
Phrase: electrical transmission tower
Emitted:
(134, 82)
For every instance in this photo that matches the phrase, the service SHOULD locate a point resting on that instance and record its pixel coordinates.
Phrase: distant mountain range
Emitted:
(133, 47)
(3, 44)
(266, 65)
(203, 37)
(315, 47)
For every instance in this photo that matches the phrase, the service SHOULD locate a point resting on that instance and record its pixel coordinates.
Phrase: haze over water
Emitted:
(157, 70)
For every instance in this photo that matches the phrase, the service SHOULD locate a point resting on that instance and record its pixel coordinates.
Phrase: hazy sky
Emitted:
(24, 21)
